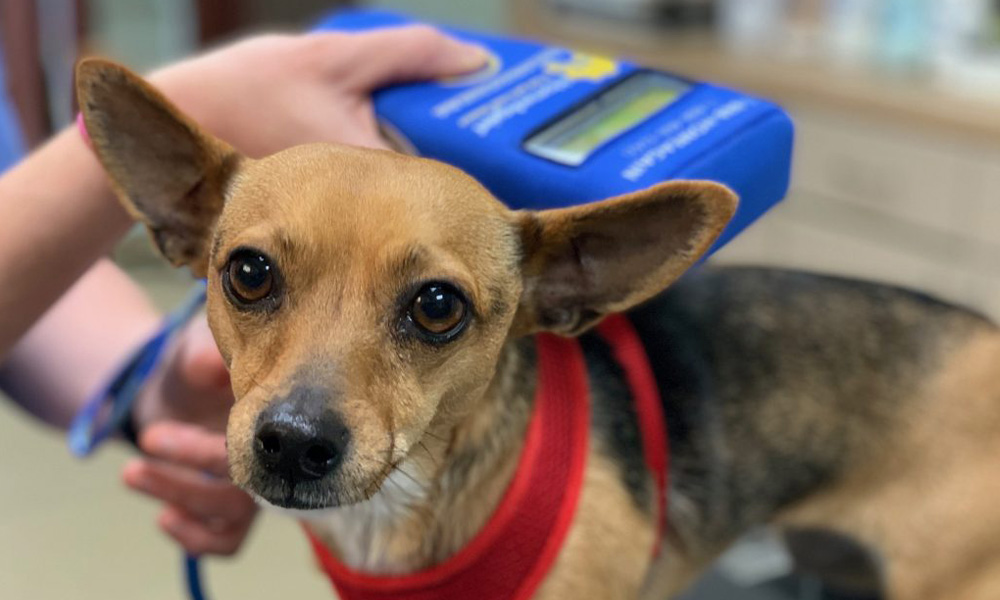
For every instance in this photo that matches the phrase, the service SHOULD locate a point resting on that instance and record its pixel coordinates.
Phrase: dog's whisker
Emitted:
(430, 455)
(398, 468)
(434, 436)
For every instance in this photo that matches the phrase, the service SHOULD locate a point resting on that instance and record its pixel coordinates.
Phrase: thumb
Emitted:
(201, 364)
(411, 53)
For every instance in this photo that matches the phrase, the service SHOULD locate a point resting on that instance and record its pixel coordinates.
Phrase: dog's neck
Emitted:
(447, 488)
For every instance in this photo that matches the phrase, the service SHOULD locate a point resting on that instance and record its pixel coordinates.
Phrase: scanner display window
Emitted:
(571, 139)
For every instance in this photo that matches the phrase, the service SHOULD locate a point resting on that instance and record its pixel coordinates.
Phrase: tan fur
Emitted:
(437, 522)
(597, 562)
(940, 468)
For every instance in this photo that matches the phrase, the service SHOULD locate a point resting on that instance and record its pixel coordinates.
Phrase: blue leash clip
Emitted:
(114, 402)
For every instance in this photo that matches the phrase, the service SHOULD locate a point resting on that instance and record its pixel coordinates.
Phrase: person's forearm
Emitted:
(58, 217)
(78, 344)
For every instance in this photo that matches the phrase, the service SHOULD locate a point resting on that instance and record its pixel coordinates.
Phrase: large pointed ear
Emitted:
(167, 172)
(584, 262)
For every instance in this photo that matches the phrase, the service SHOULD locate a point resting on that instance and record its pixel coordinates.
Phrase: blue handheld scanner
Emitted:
(545, 127)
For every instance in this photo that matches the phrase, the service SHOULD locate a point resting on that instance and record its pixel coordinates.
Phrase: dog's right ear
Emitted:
(167, 172)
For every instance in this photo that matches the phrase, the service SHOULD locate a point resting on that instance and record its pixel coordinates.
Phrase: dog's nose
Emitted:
(298, 442)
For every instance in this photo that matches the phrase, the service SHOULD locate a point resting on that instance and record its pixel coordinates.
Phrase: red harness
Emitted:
(513, 553)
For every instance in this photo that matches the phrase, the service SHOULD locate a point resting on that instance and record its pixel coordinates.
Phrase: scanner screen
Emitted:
(575, 136)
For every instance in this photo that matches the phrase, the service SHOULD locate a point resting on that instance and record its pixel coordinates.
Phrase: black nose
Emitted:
(299, 439)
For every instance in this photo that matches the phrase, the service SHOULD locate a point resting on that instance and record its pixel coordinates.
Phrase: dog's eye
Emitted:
(249, 276)
(439, 311)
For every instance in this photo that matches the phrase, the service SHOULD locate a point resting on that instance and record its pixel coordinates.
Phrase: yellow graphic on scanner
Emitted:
(585, 67)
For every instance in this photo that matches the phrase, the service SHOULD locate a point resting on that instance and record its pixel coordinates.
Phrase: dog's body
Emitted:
(376, 312)
(816, 403)
(821, 403)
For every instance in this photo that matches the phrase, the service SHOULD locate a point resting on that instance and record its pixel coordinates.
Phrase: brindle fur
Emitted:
(815, 403)
(779, 386)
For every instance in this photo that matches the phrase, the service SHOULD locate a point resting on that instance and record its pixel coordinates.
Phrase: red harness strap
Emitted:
(619, 333)
(514, 552)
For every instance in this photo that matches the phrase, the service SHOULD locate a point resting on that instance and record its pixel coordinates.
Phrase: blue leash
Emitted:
(114, 402)
(192, 574)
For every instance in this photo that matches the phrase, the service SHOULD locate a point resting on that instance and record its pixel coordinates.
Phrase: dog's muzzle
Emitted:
(298, 440)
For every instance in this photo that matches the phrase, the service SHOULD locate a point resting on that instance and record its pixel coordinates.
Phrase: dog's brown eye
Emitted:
(439, 311)
(249, 276)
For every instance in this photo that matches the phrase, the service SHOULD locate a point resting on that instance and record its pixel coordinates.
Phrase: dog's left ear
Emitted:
(166, 170)
(584, 262)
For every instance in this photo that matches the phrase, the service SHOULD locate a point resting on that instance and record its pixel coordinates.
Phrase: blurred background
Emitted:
(897, 167)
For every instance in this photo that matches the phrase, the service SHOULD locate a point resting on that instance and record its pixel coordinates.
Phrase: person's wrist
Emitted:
(145, 327)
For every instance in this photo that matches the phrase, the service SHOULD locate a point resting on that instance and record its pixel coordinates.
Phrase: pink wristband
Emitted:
(82, 128)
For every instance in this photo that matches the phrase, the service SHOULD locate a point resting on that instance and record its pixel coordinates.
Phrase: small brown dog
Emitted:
(377, 310)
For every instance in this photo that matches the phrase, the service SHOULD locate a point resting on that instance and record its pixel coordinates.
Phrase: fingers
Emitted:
(216, 502)
(199, 538)
(205, 514)
(411, 53)
(186, 445)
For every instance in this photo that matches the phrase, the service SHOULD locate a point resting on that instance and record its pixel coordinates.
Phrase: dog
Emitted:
(384, 320)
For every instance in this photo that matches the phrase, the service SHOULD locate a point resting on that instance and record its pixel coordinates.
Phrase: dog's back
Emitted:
(782, 386)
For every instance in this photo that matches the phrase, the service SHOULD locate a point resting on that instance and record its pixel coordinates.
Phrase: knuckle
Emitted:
(201, 547)
(166, 494)
(311, 44)
(200, 542)
(191, 543)
(316, 52)
(421, 40)
(321, 44)
(171, 494)
(410, 44)
(422, 33)
(199, 506)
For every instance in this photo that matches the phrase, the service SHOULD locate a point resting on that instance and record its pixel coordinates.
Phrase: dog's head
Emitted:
(358, 296)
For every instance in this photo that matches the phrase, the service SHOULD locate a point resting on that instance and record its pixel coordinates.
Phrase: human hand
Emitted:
(185, 468)
(271, 92)
(191, 383)
(181, 415)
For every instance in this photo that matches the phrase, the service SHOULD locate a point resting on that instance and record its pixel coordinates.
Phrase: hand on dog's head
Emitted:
(358, 296)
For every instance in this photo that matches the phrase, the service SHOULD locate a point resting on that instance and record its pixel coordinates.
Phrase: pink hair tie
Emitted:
(82, 128)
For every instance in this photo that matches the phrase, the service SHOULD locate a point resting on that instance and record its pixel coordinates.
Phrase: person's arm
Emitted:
(59, 218)
(77, 344)
(71, 351)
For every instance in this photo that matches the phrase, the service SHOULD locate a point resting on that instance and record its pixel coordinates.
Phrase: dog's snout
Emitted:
(300, 441)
